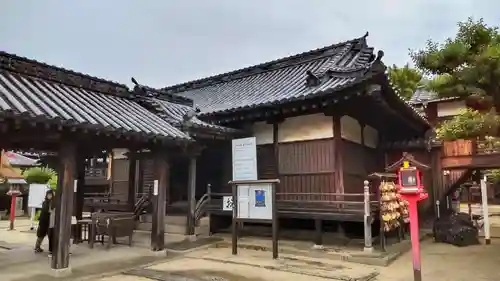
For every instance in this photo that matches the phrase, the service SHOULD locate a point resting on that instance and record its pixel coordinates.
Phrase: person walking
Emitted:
(44, 222)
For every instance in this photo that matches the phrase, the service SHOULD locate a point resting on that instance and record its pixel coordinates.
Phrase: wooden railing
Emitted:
(489, 145)
(352, 204)
(96, 172)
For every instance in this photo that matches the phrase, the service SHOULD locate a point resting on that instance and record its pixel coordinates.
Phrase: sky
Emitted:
(165, 42)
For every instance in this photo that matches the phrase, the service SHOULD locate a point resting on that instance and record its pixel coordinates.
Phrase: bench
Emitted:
(113, 225)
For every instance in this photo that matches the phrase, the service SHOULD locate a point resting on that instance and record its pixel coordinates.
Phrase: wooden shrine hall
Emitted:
(74, 117)
(323, 121)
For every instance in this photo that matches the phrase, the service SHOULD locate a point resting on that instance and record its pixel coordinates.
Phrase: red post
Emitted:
(12, 211)
(415, 235)
(412, 190)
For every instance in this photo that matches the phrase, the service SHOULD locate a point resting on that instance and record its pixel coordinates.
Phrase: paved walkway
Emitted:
(440, 262)
(19, 262)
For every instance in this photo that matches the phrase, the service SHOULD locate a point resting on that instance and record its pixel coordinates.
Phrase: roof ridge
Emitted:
(260, 68)
(37, 69)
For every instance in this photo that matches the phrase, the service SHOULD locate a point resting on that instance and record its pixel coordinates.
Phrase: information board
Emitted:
(36, 195)
(255, 201)
(244, 152)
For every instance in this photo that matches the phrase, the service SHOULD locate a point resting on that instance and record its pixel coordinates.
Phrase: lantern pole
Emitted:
(413, 193)
(13, 192)
(12, 211)
(415, 238)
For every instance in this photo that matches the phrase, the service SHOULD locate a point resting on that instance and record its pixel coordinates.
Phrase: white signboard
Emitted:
(255, 201)
(37, 195)
(244, 159)
(155, 187)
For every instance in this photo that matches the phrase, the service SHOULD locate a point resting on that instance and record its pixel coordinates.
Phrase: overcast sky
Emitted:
(164, 42)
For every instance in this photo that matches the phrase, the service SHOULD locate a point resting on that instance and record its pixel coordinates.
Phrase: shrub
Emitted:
(53, 182)
(40, 175)
(469, 124)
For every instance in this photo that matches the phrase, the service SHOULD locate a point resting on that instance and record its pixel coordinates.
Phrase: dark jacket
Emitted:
(44, 218)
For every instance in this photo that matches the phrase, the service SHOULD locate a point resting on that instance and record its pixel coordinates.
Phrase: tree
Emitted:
(405, 80)
(467, 65)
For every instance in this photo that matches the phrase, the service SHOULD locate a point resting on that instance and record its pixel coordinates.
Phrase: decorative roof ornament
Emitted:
(312, 80)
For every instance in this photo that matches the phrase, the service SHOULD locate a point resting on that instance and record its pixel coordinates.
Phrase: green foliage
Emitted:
(37, 215)
(53, 182)
(405, 80)
(468, 64)
(468, 124)
(39, 175)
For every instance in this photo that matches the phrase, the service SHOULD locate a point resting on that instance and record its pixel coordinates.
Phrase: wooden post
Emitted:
(160, 189)
(318, 239)
(338, 159)
(368, 218)
(275, 221)
(64, 205)
(79, 197)
(132, 169)
(190, 226)
(234, 225)
(486, 213)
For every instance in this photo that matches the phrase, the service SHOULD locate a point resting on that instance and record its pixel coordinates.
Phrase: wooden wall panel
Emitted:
(266, 165)
(307, 183)
(306, 167)
(306, 157)
(120, 179)
(354, 167)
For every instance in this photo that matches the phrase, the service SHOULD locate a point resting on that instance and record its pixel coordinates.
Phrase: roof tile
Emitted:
(38, 98)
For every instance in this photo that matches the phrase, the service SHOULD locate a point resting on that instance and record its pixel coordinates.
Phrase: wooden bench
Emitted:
(113, 225)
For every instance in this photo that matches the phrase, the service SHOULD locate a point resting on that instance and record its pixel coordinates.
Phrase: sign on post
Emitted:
(254, 201)
(244, 152)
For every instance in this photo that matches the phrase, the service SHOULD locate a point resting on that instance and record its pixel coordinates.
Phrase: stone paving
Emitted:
(440, 262)
(19, 262)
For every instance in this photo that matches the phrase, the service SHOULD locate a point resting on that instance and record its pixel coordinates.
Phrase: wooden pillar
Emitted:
(338, 158)
(318, 237)
(276, 149)
(132, 169)
(437, 180)
(191, 193)
(64, 205)
(160, 190)
(110, 155)
(79, 196)
(366, 165)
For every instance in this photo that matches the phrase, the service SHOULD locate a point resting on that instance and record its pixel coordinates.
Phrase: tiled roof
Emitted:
(16, 159)
(335, 67)
(176, 114)
(177, 110)
(422, 95)
(35, 90)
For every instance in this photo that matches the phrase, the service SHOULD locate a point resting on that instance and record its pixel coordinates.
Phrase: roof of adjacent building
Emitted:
(177, 110)
(423, 95)
(16, 159)
(303, 76)
(39, 91)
